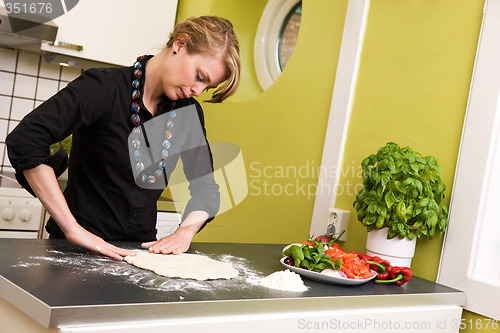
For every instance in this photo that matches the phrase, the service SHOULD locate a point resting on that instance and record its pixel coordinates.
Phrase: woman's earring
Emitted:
(175, 52)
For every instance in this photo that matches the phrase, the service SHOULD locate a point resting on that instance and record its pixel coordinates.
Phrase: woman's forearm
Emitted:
(44, 183)
(194, 221)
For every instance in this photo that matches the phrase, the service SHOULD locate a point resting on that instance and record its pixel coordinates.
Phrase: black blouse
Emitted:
(105, 192)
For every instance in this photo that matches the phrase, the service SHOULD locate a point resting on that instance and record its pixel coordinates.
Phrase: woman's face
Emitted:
(188, 75)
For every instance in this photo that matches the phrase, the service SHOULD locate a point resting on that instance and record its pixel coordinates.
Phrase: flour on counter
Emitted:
(85, 263)
(284, 280)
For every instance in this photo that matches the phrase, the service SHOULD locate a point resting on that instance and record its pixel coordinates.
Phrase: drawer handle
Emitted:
(67, 45)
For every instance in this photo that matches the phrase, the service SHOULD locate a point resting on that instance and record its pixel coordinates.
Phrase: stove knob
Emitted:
(8, 214)
(25, 215)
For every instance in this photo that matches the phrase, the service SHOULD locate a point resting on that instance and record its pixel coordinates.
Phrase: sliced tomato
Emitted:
(334, 253)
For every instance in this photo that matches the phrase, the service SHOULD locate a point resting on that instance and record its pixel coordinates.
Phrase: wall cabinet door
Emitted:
(114, 31)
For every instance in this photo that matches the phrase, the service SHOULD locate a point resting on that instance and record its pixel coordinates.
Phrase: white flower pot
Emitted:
(398, 251)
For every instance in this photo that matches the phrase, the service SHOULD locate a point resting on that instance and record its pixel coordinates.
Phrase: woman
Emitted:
(106, 110)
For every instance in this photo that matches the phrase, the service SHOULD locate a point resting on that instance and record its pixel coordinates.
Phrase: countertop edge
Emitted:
(27, 303)
(123, 313)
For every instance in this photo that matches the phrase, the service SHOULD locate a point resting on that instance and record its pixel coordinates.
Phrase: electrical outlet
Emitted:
(338, 219)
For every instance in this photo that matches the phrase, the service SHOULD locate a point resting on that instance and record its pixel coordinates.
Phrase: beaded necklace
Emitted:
(139, 127)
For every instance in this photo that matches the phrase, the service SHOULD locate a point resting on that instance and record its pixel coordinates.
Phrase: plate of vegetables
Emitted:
(324, 260)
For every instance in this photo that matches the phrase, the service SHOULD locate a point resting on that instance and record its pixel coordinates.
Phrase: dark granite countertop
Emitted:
(57, 283)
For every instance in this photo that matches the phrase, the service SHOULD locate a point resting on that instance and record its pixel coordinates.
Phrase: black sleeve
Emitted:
(78, 104)
(198, 168)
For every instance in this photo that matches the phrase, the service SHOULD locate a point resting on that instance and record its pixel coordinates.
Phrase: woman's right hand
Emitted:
(80, 236)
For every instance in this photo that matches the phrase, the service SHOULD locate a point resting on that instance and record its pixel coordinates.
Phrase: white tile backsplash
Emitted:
(70, 73)
(37, 103)
(20, 108)
(46, 89)
(8, 60)
(28, 63)
(12, 125)
(49, 70)
(2, 148)
(6, 83)
(25, 86)
(62, 84)
(6, 161)
(5, 106)
(3, 127)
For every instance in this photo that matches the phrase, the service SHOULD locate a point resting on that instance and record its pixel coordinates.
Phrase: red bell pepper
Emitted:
(381, 266)
(364, 257)
(399, 275)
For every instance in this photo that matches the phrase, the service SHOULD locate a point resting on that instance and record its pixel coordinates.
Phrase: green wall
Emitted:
(280, 130)
(412, 89)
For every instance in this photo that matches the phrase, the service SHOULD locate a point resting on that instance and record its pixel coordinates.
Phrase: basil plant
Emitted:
(402, 191)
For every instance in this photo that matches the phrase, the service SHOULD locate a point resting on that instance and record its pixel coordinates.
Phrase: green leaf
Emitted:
(416, 225)
(385, 179)
(380, 222)
(372, 208)
(306, 252)
(365, 162)
(409, 210)
(443, 223)
(296, 253)
(432, 233)
(400, 187)
(401, 210)
(389, 199)
(382, 164)
(419, 185)
(432, 221)
(337, 264)
(321, 266)
(391, 234)
(408, 181)
(369, 220)
(306, 263)
(382, 209)
(424, 202)
(392, 167)
(380, 193)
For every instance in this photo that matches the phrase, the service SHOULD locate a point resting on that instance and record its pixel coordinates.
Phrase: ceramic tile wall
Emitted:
(26, 81)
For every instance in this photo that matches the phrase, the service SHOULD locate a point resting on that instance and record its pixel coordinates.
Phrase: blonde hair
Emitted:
(212, 35)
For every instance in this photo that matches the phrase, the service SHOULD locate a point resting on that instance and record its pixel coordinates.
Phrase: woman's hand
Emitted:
(179, 241)
(80, 236)
(176, 243)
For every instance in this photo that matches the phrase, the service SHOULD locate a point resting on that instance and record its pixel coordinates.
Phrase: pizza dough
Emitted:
(184, 266)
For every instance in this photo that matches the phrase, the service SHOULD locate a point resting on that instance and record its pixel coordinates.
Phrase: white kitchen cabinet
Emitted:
(114, 31)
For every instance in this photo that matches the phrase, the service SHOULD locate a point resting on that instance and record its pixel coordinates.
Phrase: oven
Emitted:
(21, 215)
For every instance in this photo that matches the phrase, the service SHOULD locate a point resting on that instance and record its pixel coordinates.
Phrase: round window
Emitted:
(275, 39)
(288, 35)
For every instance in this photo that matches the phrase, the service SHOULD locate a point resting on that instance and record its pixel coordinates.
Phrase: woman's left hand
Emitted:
(179, 241)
